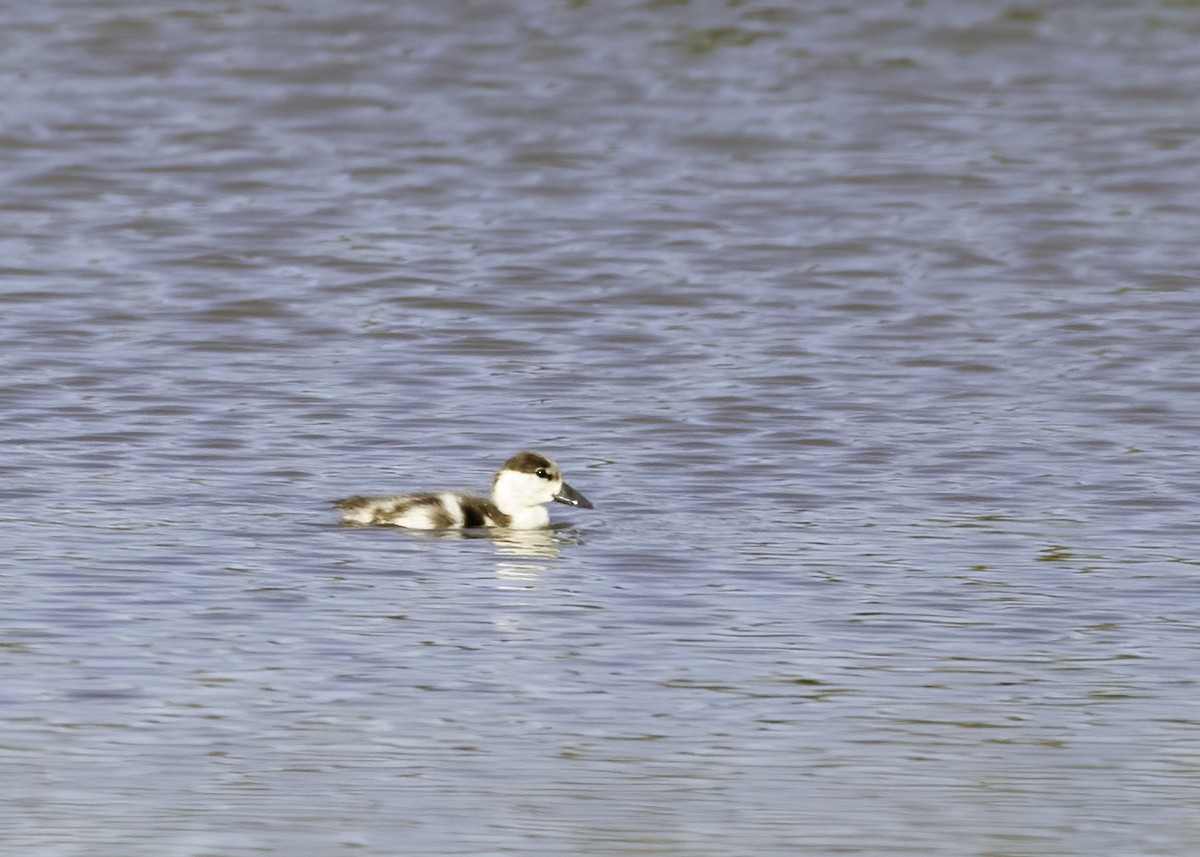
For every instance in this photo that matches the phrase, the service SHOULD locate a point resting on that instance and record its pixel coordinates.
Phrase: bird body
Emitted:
(521, 489)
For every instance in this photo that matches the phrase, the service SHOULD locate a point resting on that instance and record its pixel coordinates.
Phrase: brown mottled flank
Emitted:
(385, 514)
(477, 511)
(441, 518)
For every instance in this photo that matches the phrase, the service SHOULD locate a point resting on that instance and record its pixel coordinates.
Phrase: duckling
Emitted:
(520, 489)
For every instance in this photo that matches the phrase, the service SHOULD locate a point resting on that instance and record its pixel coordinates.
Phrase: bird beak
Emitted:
(572, 497)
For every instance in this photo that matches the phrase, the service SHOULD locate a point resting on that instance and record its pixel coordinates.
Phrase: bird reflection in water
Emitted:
(522, 556)
(524, 547)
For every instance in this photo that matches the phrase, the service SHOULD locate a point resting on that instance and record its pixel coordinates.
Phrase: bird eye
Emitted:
(541, 473)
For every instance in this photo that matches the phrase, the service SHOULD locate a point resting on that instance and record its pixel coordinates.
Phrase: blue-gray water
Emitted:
(870, 329)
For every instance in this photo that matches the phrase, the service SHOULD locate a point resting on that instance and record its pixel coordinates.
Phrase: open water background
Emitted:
(870, 329)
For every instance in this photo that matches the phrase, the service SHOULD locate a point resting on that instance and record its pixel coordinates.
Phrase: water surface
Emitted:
(869, 331)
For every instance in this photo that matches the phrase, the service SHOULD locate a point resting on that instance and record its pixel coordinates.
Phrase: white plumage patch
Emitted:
(452, 506)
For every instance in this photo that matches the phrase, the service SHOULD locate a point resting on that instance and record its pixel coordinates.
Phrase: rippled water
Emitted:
(869, 329)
